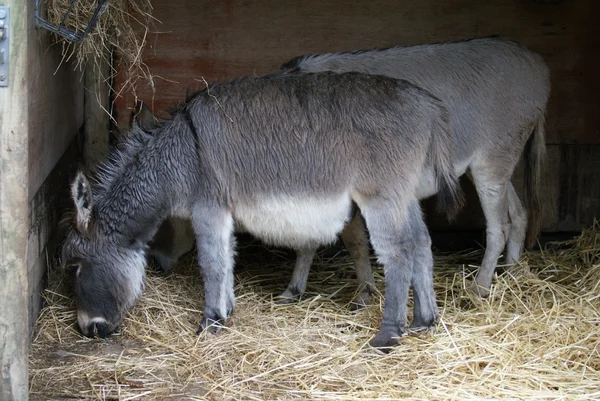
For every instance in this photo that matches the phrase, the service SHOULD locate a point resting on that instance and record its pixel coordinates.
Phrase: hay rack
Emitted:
(61, 29)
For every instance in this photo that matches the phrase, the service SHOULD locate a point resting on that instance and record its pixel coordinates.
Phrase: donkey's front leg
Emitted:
(392, 229)
(214, 236)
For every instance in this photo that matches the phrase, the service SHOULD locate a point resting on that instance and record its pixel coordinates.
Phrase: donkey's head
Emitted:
(107, 268)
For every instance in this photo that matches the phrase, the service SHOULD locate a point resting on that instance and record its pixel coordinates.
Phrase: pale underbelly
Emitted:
(295, 222)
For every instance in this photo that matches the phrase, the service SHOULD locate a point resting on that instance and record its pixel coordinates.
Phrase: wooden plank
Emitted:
(578, 186)
(55, 105)
(40, 112)
(97, 117)
(223, 40)
(14, 112)
(590, 59)
(45, 210)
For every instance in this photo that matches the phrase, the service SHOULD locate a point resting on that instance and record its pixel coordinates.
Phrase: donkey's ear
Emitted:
(81, 192)
(143, 117)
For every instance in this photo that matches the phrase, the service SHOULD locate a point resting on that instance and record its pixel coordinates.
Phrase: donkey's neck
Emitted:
(133, 201)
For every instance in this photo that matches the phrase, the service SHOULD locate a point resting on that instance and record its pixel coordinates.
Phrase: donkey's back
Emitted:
(489, 85)
(293, 150)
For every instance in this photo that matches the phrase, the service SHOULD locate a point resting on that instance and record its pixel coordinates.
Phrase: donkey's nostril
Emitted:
(101, 330)
(88, 331)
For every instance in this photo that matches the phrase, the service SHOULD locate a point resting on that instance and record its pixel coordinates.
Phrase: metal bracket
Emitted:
(61, 29)
(4, 44)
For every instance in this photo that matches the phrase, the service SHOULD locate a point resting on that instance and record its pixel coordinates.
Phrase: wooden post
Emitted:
(14, 216)
(96, 109)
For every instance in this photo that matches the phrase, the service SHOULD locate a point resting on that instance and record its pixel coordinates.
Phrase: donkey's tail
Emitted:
(449, 197)
(534, 156)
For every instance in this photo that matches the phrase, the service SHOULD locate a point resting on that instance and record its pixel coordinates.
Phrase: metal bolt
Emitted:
(2, 77)
(2, 14)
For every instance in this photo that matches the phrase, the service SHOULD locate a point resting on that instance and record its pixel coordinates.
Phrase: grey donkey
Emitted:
(285, 155)
(496, 92)
(175, 237)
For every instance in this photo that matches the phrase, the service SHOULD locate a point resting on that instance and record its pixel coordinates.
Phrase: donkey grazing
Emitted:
(285, 155)
(175, 237)
(496, 92)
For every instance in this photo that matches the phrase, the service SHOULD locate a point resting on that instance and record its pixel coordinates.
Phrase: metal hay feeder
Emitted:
(61, 29)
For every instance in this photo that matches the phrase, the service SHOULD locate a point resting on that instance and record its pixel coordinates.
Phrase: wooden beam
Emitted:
(14, 214)
(96, 111)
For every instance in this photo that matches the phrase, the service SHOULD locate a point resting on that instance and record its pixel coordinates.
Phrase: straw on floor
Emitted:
(537, 337)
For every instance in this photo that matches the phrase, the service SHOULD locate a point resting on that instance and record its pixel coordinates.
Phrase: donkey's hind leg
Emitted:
(356, 242)
(425, 307)
(518, 226)
(297, 285)
(493, 197)
(392, 230)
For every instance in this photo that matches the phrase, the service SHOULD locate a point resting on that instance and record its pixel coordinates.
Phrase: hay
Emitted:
(537, 337)
(123, 27)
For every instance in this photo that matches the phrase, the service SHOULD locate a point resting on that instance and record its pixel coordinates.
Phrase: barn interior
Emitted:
(536, 336)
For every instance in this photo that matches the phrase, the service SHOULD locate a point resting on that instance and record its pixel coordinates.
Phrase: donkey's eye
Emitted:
(73, 268)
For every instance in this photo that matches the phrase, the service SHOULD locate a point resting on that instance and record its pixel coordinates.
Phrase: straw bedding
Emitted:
(537, 337)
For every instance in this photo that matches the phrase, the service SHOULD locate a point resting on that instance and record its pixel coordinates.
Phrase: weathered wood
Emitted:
(41, 111)
(45, 210)
(97, 113)
(55, 116)
(578, 186)
(242, 38)
(14, 112)
(55, 104)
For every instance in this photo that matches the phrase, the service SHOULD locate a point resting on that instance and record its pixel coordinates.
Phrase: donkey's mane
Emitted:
(294, 63)
(119, 158)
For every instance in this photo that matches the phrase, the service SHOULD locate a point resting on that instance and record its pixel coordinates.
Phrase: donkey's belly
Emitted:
(295, 222)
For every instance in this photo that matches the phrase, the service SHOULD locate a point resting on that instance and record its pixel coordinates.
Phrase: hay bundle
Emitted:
(536, 337)
(123, 27)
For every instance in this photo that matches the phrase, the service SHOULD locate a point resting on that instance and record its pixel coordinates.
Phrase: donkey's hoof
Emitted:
(385, 340)
(362, 300)
(285, 300)
(164, 262)
(480, 290)
(423, 324)
(288, 297)
(211, 326)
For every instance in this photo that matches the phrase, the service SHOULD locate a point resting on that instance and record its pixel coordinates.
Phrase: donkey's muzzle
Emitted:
(97, 329)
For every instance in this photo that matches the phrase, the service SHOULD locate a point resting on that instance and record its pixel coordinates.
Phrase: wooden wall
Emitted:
(223, 40)
(55, 102)
(41, 112)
